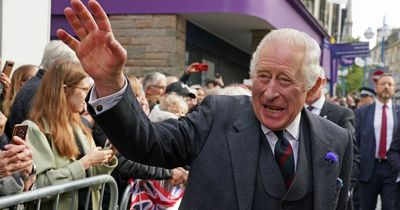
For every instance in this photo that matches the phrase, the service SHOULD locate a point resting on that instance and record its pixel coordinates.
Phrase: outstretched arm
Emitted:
(100, 54)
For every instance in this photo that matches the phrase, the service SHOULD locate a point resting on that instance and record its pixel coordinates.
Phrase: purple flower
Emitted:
(331, 157)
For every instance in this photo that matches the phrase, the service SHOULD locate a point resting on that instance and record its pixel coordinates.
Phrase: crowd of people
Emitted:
(280, 143)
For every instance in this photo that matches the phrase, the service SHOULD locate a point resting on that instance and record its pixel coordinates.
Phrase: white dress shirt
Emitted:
(378, 124)
(292, 135)
(318, 104)
(106, 102)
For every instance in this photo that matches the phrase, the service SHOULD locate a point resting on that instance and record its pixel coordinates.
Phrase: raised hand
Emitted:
(6, 82)
(100, 54)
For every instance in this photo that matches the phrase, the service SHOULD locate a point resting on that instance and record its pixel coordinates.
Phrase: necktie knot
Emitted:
(279, 134)
(310, 108)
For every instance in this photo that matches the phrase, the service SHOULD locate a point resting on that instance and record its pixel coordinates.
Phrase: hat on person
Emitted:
(180, 88)
(366, 91)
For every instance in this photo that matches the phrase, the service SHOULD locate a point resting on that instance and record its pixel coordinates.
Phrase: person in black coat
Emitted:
(394, 161)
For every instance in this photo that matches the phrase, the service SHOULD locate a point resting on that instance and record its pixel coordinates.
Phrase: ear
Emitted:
(314, 92)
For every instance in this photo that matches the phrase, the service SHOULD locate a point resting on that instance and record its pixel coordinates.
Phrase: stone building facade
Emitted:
(154, 42)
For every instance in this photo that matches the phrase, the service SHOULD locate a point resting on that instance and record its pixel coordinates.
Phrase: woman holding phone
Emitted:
(62, 146)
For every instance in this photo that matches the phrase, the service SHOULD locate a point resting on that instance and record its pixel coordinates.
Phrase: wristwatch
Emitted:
(33, 173)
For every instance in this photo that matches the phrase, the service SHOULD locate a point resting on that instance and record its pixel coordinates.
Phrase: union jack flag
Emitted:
(154, 195)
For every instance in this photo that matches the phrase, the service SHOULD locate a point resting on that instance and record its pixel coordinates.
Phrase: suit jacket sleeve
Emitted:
(169, 144)
(347, 121)
(345, 174)
(130, 169)
(394, 154)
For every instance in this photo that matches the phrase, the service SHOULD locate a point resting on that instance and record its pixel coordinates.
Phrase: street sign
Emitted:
(350, 50)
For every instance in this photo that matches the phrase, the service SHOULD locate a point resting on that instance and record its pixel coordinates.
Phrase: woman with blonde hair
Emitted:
(18, 79)
(62, 146)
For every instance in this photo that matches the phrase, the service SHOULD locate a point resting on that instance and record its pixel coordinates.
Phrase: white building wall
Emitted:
(25, 30)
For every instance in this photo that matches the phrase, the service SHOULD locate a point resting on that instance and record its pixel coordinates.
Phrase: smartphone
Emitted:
(107, 145)
(20, 131)
(8, 66)
(201, 67)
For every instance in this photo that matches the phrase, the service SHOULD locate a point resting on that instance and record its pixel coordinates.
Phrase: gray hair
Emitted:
(234, 90)
(57, 50)
(152, 79)
(300, 40)
(321, 72)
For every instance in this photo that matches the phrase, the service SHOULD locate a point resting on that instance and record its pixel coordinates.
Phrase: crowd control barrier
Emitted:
(55, 191)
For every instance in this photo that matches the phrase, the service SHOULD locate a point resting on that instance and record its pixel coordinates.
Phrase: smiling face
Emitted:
(279, 89)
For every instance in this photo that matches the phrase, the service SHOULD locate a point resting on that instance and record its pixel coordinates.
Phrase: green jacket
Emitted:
(52, 168)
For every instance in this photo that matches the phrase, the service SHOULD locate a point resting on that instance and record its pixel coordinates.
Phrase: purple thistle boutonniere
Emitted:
(331, 157)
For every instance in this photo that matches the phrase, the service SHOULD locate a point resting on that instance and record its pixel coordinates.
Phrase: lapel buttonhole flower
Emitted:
(331, 157)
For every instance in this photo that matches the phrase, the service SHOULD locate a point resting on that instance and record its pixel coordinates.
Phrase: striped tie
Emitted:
(284, 157)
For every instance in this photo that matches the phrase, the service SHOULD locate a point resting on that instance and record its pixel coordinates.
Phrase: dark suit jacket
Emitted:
(365, 137)
(221, 143)
(341, 116)
(344, 117)
(394, 154)
(394, 161)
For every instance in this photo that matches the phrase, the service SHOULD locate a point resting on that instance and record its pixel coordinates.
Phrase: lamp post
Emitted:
(383, 33)
(368, 34)
(342, 75)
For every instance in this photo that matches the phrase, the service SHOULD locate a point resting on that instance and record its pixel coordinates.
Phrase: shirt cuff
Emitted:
(398, 178)
(101, 105)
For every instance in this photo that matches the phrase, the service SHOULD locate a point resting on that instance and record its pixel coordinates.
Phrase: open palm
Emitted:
(100, 54)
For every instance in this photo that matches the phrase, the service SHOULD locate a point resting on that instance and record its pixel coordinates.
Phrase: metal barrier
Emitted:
(125, 198)
(56, 190)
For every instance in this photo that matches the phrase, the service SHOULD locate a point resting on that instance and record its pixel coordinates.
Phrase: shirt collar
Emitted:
(292, 129)
(318, 103)
(380, 104)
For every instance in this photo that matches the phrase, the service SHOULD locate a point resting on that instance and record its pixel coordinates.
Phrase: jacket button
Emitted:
(99, 108)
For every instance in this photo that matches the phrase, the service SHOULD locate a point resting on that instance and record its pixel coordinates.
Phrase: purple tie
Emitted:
(310, 108)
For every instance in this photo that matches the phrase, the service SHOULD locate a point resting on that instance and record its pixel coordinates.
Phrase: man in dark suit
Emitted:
(394, 161)
(263, 152)
(317, 104)
(341, 116)
(377, 125)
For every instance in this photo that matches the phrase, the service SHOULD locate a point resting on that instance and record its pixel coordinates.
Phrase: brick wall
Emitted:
(153, 42)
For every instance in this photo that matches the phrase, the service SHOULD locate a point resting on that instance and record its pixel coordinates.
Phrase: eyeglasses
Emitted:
(85, 89)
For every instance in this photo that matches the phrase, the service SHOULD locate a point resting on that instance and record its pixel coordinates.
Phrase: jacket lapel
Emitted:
(324, 173)
(244, 143)
(395, 119)
(370, 126)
